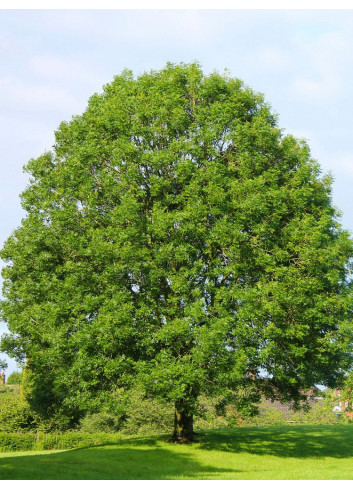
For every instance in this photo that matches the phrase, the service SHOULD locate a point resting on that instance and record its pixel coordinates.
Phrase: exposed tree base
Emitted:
(183, 424)
(182, 441)
(186, 439)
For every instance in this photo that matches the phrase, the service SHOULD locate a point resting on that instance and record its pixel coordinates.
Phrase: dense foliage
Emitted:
(15, 378)
(15, 412)
(176, 238)
(53, 441)
(23, 429)
(3, 364)
(344, 394)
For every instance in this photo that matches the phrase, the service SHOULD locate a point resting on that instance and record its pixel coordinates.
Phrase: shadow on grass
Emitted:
(283, 441)
(107, 462)
(153, 458)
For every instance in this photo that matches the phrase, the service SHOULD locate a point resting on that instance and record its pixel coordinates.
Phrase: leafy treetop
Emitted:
(176, 238)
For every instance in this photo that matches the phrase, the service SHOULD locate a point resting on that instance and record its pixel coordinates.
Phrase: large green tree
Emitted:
(176, 238)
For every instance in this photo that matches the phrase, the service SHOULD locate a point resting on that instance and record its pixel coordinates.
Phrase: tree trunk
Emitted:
(183, 423)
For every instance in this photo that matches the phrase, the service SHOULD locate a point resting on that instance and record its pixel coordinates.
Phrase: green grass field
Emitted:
(281, 452)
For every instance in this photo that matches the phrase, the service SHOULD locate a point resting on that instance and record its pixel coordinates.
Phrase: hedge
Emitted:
(10, 442)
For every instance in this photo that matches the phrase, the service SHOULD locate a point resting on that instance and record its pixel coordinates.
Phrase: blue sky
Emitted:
(52, 61)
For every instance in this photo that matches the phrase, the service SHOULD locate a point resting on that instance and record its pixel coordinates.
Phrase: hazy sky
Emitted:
(52, 61)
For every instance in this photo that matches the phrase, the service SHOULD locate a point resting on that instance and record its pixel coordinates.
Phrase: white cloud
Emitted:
(319, 88)
(343, 163)
(56, 67)
(128, 27)
(7, 43)
(273, 57)
(161, 26)
(73, 71)
(324, 59)
(331, 49)
(194, 26)
(24, 96)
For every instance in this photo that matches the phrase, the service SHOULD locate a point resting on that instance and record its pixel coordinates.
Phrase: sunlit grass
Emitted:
(281, 452)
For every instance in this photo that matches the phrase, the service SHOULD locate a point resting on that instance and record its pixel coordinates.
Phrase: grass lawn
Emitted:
(280, 452)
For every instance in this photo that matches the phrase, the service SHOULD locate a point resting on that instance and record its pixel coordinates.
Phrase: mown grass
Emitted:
(269, 453)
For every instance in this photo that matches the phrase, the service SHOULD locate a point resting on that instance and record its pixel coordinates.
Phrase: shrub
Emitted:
(212, 413)
(72, 439)
(15, 415)
(320, 413)
(15, 378)
(53, 441)
(14, 411)
(146, 415)
(17, 441)
(268, 416)
(100, 422)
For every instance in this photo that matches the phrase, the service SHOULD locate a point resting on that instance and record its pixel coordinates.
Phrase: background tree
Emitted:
(3, 364)
(15, 378)
(344, 395)
(177, 239)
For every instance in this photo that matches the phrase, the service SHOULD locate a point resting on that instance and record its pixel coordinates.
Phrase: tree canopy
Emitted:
(175, 237)
(3, 364)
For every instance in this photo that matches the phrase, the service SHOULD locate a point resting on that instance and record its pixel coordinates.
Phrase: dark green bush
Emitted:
(147, 416)
(100, 422)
